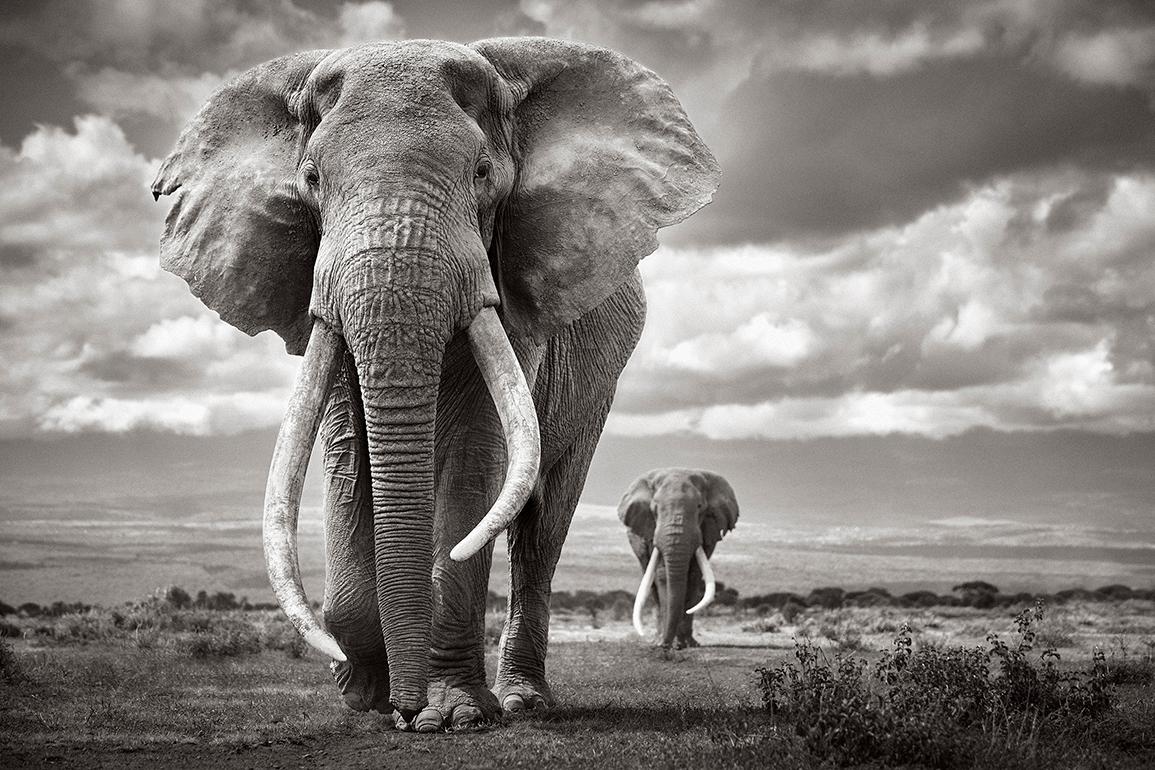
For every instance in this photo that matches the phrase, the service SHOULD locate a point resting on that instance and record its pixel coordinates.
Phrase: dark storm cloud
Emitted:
(810, 154)
(160, 60)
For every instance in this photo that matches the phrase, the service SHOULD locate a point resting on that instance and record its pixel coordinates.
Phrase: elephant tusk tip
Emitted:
(465, 550)
(326, 644)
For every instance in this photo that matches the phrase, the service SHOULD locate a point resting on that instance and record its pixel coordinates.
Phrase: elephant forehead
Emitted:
(677, 491)
(420, 69)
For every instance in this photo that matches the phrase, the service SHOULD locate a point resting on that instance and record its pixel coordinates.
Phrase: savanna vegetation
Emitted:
(831, 678)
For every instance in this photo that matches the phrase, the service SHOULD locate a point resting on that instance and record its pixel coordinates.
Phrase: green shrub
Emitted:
(939, 706)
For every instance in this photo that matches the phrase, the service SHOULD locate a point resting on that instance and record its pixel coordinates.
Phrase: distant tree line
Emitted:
(617, 603)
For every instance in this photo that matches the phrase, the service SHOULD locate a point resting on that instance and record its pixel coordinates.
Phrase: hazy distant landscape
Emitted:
(141, 513)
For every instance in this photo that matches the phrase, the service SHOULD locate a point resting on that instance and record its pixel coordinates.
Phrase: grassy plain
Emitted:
(149, 686)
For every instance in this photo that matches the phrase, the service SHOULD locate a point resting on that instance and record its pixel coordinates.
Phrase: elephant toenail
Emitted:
(402, 722)
(513, 703)
(466, 716)
(428, 721)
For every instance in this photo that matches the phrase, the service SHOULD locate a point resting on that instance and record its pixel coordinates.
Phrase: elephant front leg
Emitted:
(350, 607)
(458, 695)
(469, 464)
(684, 637)
(535, 543)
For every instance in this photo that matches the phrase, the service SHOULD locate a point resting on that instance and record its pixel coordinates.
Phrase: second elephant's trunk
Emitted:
(676, 576)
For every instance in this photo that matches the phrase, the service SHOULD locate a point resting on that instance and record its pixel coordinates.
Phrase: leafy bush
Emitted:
(791, 610)
(939, 706)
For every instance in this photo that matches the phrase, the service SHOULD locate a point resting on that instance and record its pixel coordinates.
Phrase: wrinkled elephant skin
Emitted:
(450, 234)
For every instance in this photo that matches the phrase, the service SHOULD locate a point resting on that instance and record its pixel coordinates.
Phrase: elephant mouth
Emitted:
(648, 581)
(507, 386)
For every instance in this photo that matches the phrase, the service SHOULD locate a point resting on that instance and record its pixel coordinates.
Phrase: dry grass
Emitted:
(151, 685)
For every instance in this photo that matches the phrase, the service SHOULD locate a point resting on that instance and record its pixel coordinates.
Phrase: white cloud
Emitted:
(368, 22)
(93, 335)
(957, 320)
(759, 341)
(1116, 57)
(113, 415)
(869, 52)
(185, 337)
(174, 98)
(1078, 383)
(196, 416)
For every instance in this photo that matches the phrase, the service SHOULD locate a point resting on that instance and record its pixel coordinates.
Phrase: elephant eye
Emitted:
(483, 169)
(312, 178)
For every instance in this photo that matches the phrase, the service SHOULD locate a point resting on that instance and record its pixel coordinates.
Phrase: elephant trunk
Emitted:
(398, 354)
(399, 369)
(677, 574)
(397, 304)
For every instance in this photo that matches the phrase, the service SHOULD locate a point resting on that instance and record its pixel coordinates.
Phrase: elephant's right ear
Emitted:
(238, 232)
(636, 510)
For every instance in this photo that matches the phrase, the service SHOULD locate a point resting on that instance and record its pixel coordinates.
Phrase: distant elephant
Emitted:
(676, 516)
(440, 229)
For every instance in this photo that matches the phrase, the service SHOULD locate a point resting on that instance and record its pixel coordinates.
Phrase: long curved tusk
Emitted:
(708, 576)
(286, 479)
(644, 591)
(506, 382)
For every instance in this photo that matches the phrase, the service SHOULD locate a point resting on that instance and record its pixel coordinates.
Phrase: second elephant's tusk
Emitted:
(506, 383)
(644, 591)
(708, 576)
(286, 479)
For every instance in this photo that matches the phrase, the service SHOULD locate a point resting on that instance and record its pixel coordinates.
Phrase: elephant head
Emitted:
(379, 200)
(679, 515)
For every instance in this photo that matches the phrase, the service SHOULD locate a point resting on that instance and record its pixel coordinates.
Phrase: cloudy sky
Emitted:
(937, 219)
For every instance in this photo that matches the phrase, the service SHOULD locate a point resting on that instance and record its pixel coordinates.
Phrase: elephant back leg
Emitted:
(350, 606)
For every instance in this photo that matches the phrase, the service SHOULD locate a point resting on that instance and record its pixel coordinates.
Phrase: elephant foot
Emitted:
(524, 695)
(689, 641)
(364, 687)
(454, 708)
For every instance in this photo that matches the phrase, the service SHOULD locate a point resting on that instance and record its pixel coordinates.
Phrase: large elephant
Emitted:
(441, 229)
(675, 517)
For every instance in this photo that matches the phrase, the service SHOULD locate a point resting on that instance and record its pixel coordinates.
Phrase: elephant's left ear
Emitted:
(606, 156)
(721, 501)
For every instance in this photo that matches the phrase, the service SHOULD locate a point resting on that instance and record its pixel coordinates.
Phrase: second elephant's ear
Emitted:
(605, 156)
(721, 502)
(238, 233)
(636, 508)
